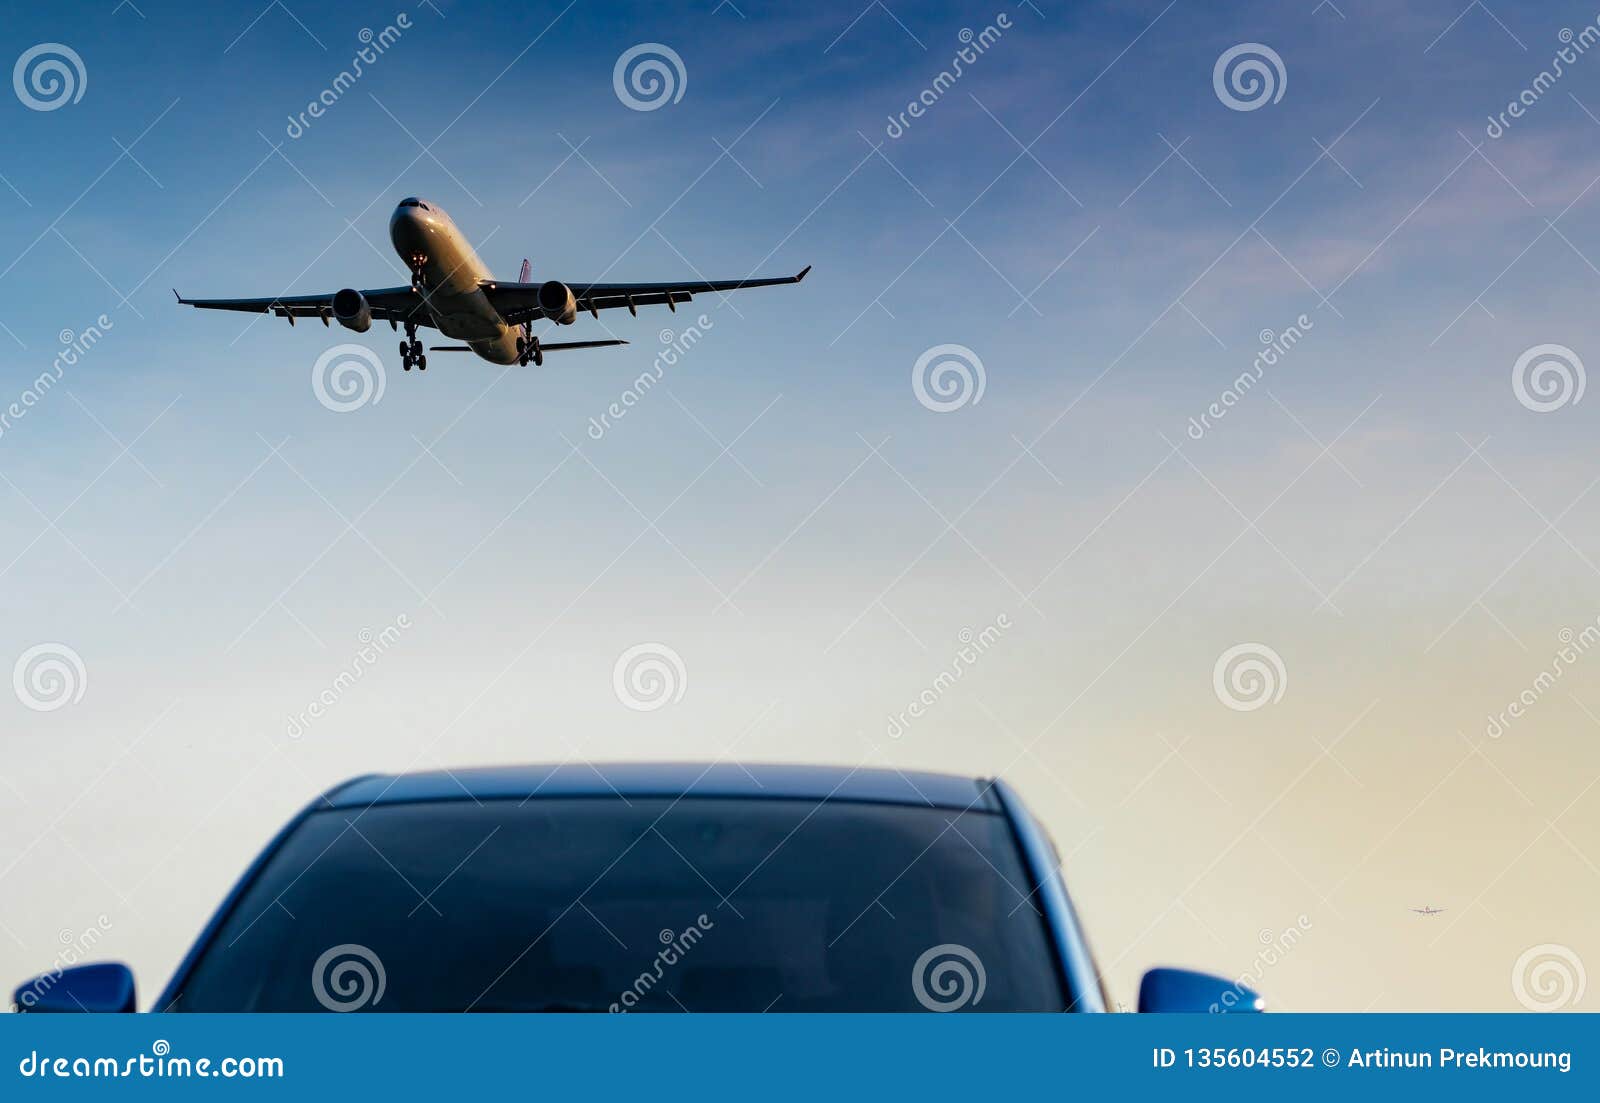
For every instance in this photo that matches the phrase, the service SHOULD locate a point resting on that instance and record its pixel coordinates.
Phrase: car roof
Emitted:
(669, 779)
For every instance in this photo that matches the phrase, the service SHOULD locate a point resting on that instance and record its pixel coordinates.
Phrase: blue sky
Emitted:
(1080, 209)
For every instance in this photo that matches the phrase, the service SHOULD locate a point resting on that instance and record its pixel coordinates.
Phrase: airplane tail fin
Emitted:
(523, 276)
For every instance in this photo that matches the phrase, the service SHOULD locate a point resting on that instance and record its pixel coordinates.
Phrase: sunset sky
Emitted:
(1388, 520)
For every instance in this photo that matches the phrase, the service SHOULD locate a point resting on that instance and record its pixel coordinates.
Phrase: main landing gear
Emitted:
(411, 354)
(528, 349)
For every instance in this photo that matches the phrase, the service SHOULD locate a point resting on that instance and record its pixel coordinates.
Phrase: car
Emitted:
(669, 887)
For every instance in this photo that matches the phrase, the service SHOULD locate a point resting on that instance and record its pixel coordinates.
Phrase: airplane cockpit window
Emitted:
(415, 203)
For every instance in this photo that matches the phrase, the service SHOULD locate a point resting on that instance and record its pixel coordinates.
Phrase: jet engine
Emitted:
(351, 310)
(558, 303)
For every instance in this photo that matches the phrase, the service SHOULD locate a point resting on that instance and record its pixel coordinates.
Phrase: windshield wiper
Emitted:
(554, 1007)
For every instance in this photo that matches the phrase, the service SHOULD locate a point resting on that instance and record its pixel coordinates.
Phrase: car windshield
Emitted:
(597, 904)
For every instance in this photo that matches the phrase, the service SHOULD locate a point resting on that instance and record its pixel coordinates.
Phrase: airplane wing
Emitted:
(388, 304)
(518, 302)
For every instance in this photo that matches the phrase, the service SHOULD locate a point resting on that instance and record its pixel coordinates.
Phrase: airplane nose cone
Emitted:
(406, 230)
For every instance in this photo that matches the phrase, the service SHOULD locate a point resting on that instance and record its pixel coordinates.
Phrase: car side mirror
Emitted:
(103, 987)
(1183, 990)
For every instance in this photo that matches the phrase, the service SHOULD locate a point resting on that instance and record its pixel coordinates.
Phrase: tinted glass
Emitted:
(644, 904)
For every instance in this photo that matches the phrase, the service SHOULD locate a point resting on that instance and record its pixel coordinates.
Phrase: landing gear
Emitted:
(411, 354)
(417, 263)
(528, 349)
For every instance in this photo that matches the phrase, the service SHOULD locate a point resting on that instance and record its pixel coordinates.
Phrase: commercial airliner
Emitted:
(1428, 911)
(452, 291)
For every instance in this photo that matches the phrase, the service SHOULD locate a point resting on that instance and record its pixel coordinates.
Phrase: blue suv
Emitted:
(647, 888)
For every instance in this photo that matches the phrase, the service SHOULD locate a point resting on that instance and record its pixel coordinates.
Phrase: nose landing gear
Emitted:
(411, 354)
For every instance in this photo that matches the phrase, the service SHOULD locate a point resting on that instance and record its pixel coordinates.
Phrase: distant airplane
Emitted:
(1428, 911)
(452, 291)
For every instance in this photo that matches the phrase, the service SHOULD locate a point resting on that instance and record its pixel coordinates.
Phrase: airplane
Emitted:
(453, 291)
(1428, 911)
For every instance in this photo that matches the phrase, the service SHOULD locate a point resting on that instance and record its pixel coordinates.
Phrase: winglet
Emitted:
(802, 274)
(177, 296)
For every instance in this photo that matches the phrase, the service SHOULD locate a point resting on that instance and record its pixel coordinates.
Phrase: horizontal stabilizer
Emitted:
(549, 346)
(557, 346)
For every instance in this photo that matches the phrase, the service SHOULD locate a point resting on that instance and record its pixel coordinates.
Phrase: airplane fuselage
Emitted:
(451, 279)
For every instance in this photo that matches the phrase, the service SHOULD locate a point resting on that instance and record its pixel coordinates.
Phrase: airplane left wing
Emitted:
(388, 304)
(519, 302)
